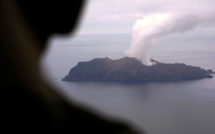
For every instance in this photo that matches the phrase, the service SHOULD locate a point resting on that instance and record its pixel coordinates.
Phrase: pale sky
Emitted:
(118, 16)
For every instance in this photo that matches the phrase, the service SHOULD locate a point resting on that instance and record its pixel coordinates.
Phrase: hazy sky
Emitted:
(118, 16)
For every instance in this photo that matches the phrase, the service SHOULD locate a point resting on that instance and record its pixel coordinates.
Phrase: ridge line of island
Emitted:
(129, 69)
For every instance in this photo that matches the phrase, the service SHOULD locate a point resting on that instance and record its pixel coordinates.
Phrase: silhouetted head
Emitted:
(51, 16)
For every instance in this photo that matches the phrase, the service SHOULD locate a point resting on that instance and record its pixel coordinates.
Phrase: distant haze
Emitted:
(118, 16)
(147, 21)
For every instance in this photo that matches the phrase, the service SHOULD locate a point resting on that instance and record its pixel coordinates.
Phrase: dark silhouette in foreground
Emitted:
(28, 104)
(130, 69)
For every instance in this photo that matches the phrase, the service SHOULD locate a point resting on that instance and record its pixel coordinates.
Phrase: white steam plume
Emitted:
(146, 31)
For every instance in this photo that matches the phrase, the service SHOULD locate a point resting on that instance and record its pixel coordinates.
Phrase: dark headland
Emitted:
(130, 69)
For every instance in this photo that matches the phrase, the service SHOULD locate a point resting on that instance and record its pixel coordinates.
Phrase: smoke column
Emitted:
(146, 31)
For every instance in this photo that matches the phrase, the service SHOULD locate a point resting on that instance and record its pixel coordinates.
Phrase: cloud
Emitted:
(112, 14)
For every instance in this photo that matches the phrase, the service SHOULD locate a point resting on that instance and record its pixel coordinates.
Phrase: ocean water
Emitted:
(157, 108)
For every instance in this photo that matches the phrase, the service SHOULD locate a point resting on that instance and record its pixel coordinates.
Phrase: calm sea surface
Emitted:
(159, 108)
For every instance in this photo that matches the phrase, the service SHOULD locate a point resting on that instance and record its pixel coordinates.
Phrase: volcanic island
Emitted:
(132, 70)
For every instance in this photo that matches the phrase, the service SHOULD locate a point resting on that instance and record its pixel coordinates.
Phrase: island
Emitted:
(131, 69)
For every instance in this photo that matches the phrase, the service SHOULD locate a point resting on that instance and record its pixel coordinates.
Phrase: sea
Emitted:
(182, 107)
